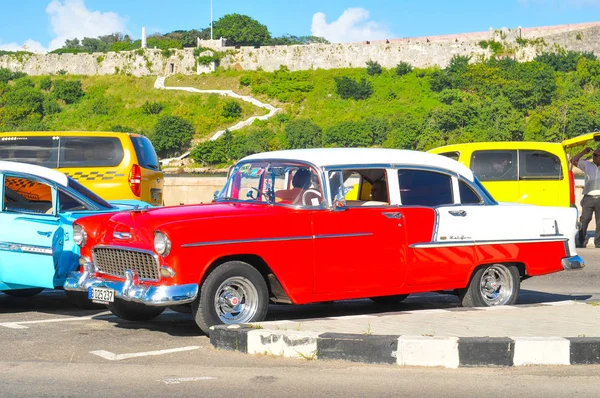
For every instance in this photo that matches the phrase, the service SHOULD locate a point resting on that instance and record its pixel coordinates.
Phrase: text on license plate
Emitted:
(101, 295)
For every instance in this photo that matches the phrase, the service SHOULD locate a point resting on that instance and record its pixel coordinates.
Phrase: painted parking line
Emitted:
(110, 356)
(178, 380)
(22, 324)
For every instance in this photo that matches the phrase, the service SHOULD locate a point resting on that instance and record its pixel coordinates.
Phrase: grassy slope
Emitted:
(126, 95)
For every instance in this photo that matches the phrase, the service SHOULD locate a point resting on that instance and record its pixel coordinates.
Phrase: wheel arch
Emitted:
(277, 293)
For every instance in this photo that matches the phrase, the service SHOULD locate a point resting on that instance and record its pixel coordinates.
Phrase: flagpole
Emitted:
(211, 24)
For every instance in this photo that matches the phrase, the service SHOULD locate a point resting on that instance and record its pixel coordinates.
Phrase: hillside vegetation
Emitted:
(555, 97)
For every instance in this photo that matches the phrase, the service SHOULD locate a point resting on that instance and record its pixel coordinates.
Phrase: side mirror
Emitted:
(339, 202)
(216, 195)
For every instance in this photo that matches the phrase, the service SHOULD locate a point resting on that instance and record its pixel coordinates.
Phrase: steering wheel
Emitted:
(305, 194)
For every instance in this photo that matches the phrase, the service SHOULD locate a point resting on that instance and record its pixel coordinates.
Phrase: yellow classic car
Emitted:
(525, 172)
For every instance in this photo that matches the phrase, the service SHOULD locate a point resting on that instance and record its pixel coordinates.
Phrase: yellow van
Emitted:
(524, 172)
(113, 165)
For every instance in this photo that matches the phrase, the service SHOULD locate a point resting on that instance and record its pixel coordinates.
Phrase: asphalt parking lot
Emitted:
(48, 329)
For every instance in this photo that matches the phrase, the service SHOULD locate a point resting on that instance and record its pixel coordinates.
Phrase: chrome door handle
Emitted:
(395, 215)
(44, 233)
(458, 213)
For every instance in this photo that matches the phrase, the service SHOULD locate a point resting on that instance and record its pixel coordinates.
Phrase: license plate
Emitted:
(101, 295)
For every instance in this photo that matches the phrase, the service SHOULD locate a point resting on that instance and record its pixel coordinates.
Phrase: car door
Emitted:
(359, 248)
(448, 255)
(31, 238)
(540, 175)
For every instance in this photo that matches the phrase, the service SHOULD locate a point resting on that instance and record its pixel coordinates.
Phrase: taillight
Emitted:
(135, 180)
(571, 188)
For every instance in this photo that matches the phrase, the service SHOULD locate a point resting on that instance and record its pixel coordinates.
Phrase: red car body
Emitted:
(330, 247)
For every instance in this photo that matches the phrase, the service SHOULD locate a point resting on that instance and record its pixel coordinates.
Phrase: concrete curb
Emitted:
(450, 352)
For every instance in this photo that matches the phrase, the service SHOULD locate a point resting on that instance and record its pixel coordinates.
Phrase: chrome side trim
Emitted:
(332, 236)
(21, 248)
(432, 245)
(262, 240)
(235, 241)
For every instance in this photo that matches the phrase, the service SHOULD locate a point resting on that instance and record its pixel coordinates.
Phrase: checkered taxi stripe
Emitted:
(94, 175)
(16, 183)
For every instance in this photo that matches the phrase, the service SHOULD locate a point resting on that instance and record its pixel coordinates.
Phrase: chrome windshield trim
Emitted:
(21, 248)
(236, 241)
(353, 235)
(431, 245)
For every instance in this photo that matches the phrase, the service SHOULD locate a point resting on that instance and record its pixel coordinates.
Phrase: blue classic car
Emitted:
(37, 248)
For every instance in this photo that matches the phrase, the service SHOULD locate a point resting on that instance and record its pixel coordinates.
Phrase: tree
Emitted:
(373, 68)
(347, 87)
(348, 135)
(232, 109)
(94, 45)
(403, 68)
(302, 133)
(171, 135)
(241, 30)
(69, 91)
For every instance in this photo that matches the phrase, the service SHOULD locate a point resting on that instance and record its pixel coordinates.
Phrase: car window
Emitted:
(451, 155)
(539, 165)
(495, 165)
(145, 153)
(67, 202)
(425, 188)
(274, 182)
(42, 151)
(25, 195)
(97, 200)
(361, 187)
(90, 152)
(467, 195)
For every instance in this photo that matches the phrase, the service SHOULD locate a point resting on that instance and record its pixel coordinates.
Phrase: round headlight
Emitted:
(162, 244)
(79, 235)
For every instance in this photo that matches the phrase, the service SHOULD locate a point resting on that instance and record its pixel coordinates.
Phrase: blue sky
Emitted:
(45, 24)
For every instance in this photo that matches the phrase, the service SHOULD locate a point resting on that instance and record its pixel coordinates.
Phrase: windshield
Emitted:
(273, 182)
(92, 197)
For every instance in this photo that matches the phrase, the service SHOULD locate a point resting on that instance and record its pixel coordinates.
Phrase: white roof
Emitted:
(39, 171)
(366, 156)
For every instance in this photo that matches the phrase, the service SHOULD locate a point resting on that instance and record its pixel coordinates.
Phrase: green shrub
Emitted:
(232, 109)
(347, 87)
(118, 128)
(245, 81)
(101, 106)
(302, 133)
(403, 68)
(50, 106)
(171, 135)
(61, 72)
(152, 108)
(373, 68)
(348, 135)
(45, 83)
(27, 99)
(69, 91)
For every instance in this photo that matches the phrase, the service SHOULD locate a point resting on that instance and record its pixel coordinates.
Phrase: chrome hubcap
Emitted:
(496, 285)
(236, 300)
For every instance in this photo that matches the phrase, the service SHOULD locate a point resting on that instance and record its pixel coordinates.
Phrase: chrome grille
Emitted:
(115, 261)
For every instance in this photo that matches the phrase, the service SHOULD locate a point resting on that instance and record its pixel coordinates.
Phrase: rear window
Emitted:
(55, 152)
(145, 153)
(90, 152)
(539, 165)
(495, 165)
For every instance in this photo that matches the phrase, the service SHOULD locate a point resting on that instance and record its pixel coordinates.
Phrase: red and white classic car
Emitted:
(314, 225)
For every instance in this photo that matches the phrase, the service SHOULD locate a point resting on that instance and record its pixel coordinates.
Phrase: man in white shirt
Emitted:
(590, 203)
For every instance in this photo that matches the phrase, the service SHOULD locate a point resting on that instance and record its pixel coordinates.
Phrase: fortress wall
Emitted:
(419, 52)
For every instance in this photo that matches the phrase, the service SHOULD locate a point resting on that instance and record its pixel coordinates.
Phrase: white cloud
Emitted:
(71, 19)
(30, 45)
(353, 25)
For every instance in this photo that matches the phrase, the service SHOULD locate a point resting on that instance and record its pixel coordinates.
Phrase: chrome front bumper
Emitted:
(132, 289)
(574, 262)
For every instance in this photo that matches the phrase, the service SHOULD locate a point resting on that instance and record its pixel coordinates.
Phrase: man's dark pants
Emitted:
(589, 205)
